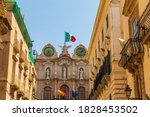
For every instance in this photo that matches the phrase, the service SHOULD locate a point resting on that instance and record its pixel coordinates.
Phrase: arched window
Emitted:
(65, 89)
(81, 93)
(48, 73)
(47, 93)
(81, 73)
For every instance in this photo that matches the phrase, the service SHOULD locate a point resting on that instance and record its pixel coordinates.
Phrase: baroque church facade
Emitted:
(62, 72)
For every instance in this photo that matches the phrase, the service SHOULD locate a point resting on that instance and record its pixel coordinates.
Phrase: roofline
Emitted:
(95, 27)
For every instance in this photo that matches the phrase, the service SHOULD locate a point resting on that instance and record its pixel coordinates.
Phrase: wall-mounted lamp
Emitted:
(128, 91)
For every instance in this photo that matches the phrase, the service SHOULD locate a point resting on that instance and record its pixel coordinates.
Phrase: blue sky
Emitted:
(47, 20)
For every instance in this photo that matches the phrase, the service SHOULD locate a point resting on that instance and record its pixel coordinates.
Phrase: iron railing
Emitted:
(132, 48)
(144, 24)
(104, 70)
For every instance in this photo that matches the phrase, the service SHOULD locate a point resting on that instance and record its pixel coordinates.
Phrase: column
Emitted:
(1, 46)
(115, 29)
(55, 90)
(73, 69)
(15, 95)
(55, 75)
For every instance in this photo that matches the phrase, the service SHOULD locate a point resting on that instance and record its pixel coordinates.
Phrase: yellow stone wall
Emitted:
(120, 27)
(8, 68)
(136, 10)
(115, 87)
(146, 65)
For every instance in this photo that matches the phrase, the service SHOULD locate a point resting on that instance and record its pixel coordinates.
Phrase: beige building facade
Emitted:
(64, 72)
(17, 72)
(108, 79)
(135, 51)
(4, 24)
(120, 57)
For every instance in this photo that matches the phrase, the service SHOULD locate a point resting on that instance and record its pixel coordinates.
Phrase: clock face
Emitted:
(81, 52)
(48, 51)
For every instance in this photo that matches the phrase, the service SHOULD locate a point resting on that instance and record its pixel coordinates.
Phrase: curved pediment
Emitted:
(80, 52)
(48, 52)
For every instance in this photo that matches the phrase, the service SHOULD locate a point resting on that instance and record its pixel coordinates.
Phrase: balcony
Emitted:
(16, 46)
(13, 7)
(20, 93)
(144, 24)
(2, 7)
(102, 77)
(129, 7)
(33, 93)
(99, 85)
(33, 75)
(99, 77)
(101, 55)
(27, 94)
(33, 72)
(26, 65)
(131, 55)
(105, 81)
(4, 25)
(22, 57)
(25, 74)
(22, 87)
(98, 63)
(15, 82)
(95, 68)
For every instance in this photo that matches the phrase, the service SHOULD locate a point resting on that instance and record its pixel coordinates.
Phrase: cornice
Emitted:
(96, 26)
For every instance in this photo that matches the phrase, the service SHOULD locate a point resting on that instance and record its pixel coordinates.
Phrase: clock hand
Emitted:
(82, 51)
(48, 52)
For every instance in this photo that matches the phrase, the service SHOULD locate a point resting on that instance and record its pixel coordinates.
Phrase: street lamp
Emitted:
(128, 91)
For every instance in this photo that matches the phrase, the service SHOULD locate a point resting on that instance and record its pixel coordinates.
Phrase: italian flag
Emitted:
(69, 37)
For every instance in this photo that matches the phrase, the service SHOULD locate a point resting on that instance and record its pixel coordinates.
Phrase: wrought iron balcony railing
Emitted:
(144, 24)
(130, 54)
(145, 18)
(104, 71)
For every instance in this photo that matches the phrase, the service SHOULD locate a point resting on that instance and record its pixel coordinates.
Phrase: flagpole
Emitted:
(65, 39)
(73, 89)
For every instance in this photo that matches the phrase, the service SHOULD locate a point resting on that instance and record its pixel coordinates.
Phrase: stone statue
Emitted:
(64, 49)
(48, 73)
(81, 73)
(64, 72)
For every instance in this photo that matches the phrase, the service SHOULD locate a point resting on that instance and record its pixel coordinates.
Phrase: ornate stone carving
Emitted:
(64, 50)
(81, 73)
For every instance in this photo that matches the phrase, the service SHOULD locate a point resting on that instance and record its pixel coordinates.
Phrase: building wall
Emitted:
(146, 58)
(131, 70)
(146, 65)
(132, 10)
(56, 79)
(12, 61)
(111, 87)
